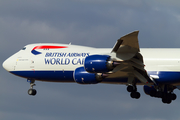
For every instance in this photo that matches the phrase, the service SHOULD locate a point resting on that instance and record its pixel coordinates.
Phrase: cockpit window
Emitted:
(23, 48)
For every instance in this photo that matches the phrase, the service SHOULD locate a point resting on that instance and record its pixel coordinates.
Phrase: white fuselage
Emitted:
(66, 60)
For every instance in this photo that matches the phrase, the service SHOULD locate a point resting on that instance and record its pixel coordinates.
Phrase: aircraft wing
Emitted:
(127, 43)
(131, 63)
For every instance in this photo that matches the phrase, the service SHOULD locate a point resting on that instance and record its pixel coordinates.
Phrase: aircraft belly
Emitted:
(166, 77)
(53, 76)
(61, 76)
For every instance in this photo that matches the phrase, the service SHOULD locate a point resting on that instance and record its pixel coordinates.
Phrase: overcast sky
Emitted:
(96, 23)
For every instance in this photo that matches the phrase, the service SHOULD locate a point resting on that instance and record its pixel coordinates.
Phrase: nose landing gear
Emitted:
(32, 91)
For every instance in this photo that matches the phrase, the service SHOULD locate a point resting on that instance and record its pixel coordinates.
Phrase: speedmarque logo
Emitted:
(35, 52)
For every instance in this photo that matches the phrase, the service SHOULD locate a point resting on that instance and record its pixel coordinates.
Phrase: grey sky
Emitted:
(96, 23)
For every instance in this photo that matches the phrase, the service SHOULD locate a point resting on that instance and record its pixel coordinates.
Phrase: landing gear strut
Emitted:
(133, 91)
(32, 91)
(165, 92)
(166, 97)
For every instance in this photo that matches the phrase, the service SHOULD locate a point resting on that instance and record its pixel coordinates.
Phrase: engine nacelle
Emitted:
(81, 76)
(148, 89)
(98, 64)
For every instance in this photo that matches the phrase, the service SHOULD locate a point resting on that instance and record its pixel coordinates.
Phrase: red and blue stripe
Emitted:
(35, 52)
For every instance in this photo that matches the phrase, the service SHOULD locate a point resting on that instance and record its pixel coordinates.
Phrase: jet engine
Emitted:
(81, 76)
(98, 64)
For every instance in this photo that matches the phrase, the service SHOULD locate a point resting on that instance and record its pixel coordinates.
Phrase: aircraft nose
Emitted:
(8, 64)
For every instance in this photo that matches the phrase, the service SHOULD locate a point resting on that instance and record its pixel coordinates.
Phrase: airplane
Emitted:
(158, 70)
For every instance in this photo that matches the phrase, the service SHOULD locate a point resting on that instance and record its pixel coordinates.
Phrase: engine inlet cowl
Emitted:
(98, 64)
(81, 76)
